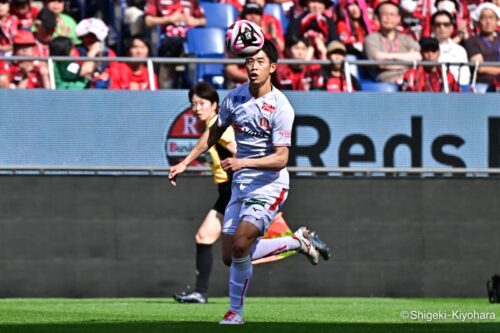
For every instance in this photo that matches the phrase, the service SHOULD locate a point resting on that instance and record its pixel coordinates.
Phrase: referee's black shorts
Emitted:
(224, 196)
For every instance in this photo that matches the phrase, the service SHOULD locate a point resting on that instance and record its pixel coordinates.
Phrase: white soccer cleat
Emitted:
(306, 247)
(232, 318)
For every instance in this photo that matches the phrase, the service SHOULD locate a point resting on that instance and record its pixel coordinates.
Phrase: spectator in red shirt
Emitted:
(27, 74)
(8, 28)
(314, 25)
(134, 75)
(335, 79)
(4, 75)
(24, 12)
(298, 77)
(175, 17)
(92, 31)
(354, 25)
(270, 25)
(429, 78)
(45, 25)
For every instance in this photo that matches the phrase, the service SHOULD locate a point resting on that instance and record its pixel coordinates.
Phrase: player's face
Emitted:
(139, 49)
(259, 68)
(203, 109)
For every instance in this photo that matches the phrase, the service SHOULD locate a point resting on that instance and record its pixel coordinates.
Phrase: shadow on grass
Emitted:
(197, 327)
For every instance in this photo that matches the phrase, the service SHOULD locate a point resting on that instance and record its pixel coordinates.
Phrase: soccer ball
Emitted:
(244, 38)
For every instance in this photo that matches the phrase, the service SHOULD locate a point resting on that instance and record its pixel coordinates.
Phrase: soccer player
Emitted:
(205, 106)
(262, 118)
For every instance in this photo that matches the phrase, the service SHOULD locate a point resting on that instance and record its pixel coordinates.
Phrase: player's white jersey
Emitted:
(260, 125)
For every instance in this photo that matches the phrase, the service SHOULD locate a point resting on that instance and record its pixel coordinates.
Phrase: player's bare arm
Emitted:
(231, 146)
(207, 140)
(276, 161)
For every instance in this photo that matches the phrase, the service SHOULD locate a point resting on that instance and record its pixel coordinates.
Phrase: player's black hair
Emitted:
(204, 90)
(442, 13)
(60, 46)
(127, 43)
(270, 50)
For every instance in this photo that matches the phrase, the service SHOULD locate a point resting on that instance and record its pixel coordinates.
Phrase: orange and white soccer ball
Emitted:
(244, 38)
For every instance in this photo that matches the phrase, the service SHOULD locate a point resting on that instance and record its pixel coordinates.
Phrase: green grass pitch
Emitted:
(290, 314)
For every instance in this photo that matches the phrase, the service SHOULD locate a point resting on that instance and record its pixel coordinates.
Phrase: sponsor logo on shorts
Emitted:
(253, 201)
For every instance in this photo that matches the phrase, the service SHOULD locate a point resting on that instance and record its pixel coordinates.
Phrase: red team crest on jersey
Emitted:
(264, 123)
(268, 107)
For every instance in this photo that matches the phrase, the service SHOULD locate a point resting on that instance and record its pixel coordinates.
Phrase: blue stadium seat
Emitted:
(207, 43)
(219, 15)
(379, 86)
(481, 88)
(276, 10)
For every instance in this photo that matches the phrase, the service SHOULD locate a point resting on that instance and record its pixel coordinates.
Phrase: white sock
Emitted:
(267, 247)
(240, 274)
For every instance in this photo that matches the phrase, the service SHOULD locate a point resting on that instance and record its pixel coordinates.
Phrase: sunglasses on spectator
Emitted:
(4, 1)
(442, 24)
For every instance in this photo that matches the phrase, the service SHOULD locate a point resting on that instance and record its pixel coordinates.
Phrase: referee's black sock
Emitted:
(204, 262)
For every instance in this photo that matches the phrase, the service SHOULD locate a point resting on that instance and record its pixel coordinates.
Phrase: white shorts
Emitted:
(257, 204)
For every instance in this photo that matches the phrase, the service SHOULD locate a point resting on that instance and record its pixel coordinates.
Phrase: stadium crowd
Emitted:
(449, 31)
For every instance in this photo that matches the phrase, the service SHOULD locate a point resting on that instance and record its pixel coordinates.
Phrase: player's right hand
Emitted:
(174, 171)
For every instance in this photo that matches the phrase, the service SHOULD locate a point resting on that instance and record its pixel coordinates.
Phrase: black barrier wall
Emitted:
(82, 236)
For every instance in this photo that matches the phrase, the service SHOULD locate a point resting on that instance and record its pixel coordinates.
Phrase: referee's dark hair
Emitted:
(204, 90)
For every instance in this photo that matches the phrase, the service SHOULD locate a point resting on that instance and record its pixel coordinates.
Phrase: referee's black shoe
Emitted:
(191, 297)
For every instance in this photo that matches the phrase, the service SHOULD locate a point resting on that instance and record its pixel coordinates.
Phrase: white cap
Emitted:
(485, 5)
(92, 26)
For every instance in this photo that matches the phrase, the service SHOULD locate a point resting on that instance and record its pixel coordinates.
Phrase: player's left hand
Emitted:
(232, 164)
